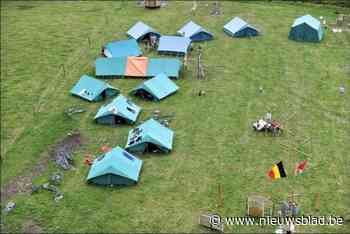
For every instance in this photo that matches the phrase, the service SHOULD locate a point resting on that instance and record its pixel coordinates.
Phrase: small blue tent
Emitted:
(141, 31)
(174, 45)
(306, 28)
(195, 32)
(122, 48)
(92, 89)
(120, 110)
(150, 136)
(156, 88)
(116, 167)
(239, 28)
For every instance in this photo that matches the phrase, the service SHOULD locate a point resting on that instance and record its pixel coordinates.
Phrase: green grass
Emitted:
(214, 143)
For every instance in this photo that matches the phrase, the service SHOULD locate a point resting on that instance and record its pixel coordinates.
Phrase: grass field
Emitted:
(214, 143)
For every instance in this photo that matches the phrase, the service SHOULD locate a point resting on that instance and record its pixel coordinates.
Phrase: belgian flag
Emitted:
(277, 171)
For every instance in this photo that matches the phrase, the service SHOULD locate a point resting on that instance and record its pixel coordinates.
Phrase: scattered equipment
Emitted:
(9, 207)
(272, 126)
(74, 110)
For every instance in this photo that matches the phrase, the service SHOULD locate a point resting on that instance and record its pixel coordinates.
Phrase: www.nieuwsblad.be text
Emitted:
(302, 220)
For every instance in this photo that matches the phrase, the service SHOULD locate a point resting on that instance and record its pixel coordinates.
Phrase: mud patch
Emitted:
(23, 184)
(62, 152)
(31, 227)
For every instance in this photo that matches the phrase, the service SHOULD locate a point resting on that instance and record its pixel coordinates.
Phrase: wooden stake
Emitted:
(220, 202)
(89, 42)
(317, 201)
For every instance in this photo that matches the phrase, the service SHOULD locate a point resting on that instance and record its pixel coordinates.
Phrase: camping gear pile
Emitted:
(74, 110)
(51, 186)
(62, 153)
(272, 126)
(9, 207)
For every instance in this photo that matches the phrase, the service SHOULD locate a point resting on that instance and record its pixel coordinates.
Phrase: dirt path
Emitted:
(22, 184)
(31, 227)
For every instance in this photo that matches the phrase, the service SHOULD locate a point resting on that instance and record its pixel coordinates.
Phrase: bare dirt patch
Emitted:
(22, 184)
(31, 227)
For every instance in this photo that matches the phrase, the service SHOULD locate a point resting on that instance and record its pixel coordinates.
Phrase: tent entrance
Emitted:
(152, 148)
(104, 95)
(144, 94)
(119, 120)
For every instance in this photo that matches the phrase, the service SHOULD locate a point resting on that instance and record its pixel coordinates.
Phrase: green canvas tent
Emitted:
(306, 28)
(92, 89)
(150, 136)
(116, 167)
(120, 110)
(156, 88)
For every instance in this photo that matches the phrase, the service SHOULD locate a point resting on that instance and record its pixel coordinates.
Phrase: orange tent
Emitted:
(136, 66)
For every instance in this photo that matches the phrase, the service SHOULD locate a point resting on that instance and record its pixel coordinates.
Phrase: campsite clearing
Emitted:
(47, 46)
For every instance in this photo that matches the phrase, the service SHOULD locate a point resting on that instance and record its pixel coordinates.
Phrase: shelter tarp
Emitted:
(92, 89)
(116, 67)
(116, 167)
(141, 30)
(122, 48)
(159, 87)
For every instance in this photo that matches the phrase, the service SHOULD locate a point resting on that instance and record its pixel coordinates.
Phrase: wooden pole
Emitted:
(220, 202)
(317, 201)
(89, 42)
